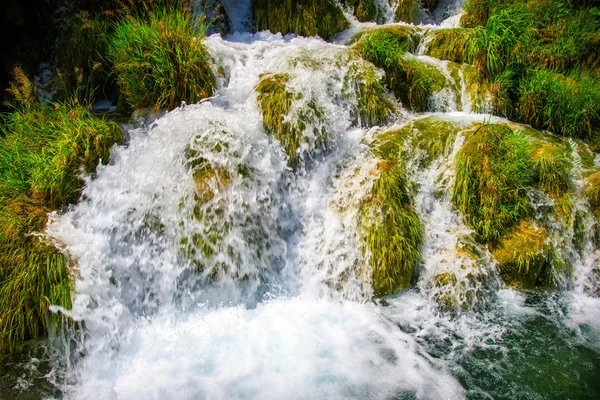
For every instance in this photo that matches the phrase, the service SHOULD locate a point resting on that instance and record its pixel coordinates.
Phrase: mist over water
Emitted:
(277, 303)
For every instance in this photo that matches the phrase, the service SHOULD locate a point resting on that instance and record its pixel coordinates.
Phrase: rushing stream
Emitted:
(281, 306)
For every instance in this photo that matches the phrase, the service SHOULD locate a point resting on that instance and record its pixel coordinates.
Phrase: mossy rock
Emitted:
(391, 229)
(363, 10)
(431, 137)
(375, 106)
(592, 191)
(493, 172)
(412, 80)
(303, 17)
(275, 101)
(385, 45)
(524, 257)
(407, 10)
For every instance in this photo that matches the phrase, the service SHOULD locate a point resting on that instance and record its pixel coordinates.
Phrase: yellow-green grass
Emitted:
(391, 229)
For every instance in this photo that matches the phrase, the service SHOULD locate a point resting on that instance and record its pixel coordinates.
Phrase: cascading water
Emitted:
(209, 268)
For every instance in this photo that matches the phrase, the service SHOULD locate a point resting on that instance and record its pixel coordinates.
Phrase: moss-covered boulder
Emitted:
(412, 80)
(492, 176)
(303, 17)
(275, 101)
(391, 229)
(425, 139)
(524, 256)
(407, 10)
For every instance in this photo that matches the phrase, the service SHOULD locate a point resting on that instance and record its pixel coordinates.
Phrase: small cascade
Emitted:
(222, 252)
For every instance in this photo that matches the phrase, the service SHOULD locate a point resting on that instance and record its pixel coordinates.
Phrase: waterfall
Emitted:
(210, 267)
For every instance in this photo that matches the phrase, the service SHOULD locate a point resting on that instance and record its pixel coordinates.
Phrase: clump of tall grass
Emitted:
(524, 256)
(160, 60)
(391, 229)
(568, 105)
(42, 153)
(322, 18)
(492, 176)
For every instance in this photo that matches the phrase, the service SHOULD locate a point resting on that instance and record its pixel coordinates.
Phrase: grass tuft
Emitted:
(524, 256)
(492, 175)
(160, 59)
(392, 229)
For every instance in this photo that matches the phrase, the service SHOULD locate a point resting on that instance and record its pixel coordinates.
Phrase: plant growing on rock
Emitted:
(42, 151)
(160, 59)
(391, 229)
(303, 17)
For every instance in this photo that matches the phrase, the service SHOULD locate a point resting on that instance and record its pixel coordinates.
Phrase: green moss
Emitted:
(592, 191)
(303, 17)
(407, 10)
(411, 79)
(492, 175)
(524, 257)
(430, 137)
(275, 102)
(160, 60)
(363, 79)
(391, 229)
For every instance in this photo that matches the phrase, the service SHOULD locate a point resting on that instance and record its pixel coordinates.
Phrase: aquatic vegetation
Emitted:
(160, 59)
(430, 137)
(43, 149)
(275, 102)
(592, 191)
(524, 256)
(303, 17)
(374, 104)
(411, 79)
(385, 46)
(392, 229)
(552, 169)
